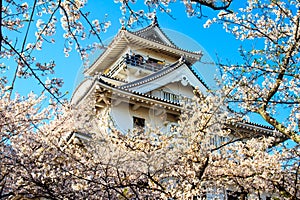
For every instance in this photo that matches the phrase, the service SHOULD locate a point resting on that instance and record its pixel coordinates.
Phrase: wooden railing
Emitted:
(136, 61)
(144, 64)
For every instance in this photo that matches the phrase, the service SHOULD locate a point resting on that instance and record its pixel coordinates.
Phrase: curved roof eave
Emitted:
(96, 82)
(132, 93)
(116, 42)
(258, 129)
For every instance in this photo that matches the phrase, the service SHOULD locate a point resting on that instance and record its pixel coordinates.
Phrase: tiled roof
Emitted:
(249, 125)
(137, 93)
(119, 43)
(154, 76)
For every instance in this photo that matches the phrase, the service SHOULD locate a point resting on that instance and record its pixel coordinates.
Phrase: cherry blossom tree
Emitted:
(267, 83)
(26, 27)
(42, 158)
(47, 153)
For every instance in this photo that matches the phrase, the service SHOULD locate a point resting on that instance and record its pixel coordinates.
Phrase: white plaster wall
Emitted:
(134, 73)
(151, 119)
(122, 116)
(156, 93)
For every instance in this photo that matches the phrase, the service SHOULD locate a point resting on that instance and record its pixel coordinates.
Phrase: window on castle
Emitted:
(171, 97)
(139, 123)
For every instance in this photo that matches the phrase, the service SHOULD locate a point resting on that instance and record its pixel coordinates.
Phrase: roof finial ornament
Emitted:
(154, 22)
(182, 59)
(123, 27)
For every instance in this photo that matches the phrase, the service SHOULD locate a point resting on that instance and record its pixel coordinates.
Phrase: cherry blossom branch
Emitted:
(23, 46)
(33, 73)
(88, 21)
(132, 13)
(28, 26)
(263, 109)
(212, 5)
(279, 126)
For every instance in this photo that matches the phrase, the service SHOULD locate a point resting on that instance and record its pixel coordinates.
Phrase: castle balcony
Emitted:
(136, 62)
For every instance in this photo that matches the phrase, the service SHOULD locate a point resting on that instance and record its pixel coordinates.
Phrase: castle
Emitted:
(144, 77)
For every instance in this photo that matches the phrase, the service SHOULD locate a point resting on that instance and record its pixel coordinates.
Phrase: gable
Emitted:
(154, 33)
(181, 74)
